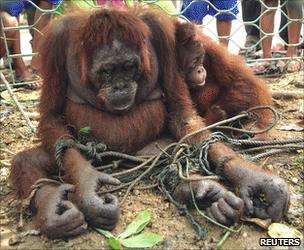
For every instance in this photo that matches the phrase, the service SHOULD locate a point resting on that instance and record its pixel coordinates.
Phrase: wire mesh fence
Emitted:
(245, 37)
(197, 10)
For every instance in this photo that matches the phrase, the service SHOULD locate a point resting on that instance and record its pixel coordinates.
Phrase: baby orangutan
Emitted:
(221, 85)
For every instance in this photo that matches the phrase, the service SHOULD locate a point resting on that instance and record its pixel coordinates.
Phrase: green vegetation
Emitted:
(132, 236)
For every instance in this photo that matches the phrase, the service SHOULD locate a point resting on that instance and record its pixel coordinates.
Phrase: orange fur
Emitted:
(135, 133)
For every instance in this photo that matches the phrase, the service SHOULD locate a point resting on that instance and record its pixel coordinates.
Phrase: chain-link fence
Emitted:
(239, 22)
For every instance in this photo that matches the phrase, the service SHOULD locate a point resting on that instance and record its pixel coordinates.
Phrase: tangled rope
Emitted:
(92, 150)
(175, 163)
(249, 114)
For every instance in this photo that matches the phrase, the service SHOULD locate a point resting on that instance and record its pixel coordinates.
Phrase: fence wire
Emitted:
(174, 10)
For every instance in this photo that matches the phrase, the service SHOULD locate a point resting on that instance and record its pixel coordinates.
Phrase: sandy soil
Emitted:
(166, 220)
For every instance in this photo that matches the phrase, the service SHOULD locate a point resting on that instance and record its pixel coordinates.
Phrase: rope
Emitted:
(169, 168)
(35, 187)
(263, 143)
(285, 147)
(200, 231)
(92, 150)
(269, 153)
(245, 114)
(174, 163)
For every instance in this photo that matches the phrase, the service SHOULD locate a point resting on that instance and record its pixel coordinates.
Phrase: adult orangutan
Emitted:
(221, 85)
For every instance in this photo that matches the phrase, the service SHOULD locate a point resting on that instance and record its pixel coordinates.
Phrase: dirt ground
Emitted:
(174, 228)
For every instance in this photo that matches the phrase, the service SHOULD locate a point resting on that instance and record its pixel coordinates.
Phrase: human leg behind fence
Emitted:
(267, 68)
(41, 20)
(251, 10)
(295, 11)
(13, 42)
(224, 20)
(194, 11)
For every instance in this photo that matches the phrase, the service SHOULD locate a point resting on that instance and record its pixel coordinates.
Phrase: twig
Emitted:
(29, 123)
(133, 169)
(115, 154)
(116, 188)
(264, 162)
(147, 187)
(287, 95)
(114, 165)
(21, 221)
(140, 177)
(224, 238)
(21, 134)
(7, 151)
(4, 163)
(162, 150)
(154, 163)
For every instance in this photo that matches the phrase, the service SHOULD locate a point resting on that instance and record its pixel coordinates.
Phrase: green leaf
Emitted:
(145, 239)
(114, 243)
(85, 130)
(137, 225)
(105, 233)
